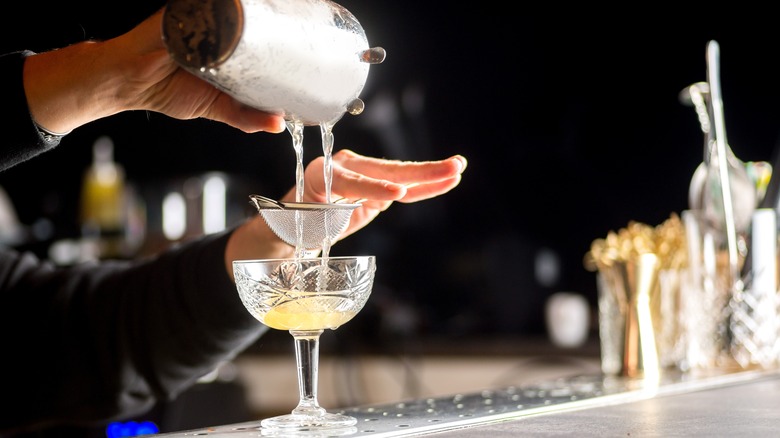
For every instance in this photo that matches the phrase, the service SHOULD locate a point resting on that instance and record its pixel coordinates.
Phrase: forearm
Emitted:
(106, 341)
(72, 86)
(87, 81)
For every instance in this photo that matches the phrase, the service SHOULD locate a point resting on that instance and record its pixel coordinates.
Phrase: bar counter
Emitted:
(743, 403)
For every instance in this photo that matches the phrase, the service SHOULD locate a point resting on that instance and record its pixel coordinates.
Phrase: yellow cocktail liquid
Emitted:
(307, 315)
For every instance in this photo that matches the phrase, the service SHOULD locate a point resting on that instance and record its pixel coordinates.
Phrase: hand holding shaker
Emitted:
(307, 60)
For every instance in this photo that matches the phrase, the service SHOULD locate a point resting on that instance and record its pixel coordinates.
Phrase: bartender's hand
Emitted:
(72, 86)
(379, 181)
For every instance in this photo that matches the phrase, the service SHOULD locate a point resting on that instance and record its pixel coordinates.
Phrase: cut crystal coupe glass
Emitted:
(305, 296)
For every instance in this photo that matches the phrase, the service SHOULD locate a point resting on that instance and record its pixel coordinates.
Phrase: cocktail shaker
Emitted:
(307, 60)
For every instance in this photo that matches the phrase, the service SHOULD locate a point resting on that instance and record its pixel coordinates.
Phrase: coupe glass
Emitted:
(305, 297)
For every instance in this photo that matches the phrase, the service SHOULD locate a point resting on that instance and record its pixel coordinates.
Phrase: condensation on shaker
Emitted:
(306, 60)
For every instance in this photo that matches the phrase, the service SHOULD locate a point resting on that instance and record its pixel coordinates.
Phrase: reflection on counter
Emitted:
(352, 375)
(414, 417)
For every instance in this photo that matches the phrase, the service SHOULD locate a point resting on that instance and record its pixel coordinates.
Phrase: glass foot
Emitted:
(297, 422)
(327, 432)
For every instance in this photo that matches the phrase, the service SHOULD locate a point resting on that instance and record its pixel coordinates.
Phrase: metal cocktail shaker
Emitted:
(305, 59)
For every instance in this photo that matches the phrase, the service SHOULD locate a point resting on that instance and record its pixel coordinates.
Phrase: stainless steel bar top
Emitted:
(677, 405)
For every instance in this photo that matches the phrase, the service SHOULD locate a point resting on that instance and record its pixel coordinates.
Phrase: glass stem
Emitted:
(307, 356)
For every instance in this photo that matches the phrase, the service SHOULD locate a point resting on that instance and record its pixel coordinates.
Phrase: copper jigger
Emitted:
(634, 284)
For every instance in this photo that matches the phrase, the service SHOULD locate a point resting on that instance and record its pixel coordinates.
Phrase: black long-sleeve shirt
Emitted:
(102, 341)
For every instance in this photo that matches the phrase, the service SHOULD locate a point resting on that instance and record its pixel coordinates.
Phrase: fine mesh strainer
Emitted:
(318, 221)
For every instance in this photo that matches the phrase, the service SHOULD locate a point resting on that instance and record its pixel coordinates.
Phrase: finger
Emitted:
(420, 192)
(352, 185)
(401, 172)
(228, 110)
(359, 177)
(346, 183)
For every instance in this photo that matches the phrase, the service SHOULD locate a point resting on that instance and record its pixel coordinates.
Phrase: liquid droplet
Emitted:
(374, 55)
(356, 107)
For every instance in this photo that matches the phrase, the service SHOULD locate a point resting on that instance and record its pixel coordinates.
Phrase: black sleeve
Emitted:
(99, 342)
(22, 139)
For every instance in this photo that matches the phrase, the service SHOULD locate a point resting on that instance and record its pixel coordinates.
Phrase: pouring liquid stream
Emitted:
(373, 55)
(295, 127)
(296, 132)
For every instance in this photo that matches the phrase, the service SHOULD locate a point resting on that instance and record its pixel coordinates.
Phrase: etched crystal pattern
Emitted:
(754, 328)
(337, 285)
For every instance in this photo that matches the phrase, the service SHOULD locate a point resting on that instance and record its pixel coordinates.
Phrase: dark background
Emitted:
(570, 120)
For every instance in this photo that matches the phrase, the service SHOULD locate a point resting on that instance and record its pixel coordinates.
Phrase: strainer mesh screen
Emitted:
(316, 225)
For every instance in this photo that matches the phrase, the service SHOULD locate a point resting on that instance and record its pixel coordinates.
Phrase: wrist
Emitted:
(49, 136)
(254, 240)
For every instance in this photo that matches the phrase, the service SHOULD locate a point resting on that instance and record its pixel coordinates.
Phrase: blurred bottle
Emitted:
(103, 213)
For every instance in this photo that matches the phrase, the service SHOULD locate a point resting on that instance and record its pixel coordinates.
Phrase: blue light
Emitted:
(131, 428)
